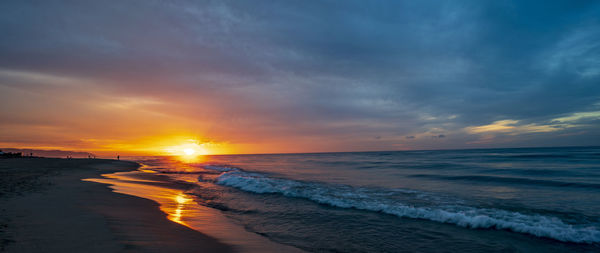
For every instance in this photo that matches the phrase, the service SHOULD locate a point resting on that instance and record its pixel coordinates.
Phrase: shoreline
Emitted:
(47, 207)
(176, 199)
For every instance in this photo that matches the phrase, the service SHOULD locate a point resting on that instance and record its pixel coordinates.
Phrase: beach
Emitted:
(47, 207)
(300, 126)
(492, 200)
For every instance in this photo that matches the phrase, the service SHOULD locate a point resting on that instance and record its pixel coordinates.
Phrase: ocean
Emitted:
(484, 200)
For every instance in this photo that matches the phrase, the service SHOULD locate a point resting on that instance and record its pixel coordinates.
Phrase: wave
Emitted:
(379, 200)
(513, 180)
(220, 168)
(529, 156)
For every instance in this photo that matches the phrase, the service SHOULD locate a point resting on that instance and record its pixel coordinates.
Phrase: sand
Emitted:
(46, 207)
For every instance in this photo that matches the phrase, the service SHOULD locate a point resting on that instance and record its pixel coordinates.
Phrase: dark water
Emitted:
(538, 199)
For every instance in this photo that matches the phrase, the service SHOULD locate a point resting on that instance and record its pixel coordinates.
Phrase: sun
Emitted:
(189, 151)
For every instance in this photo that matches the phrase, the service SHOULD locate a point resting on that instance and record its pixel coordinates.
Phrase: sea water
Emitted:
(526, 199)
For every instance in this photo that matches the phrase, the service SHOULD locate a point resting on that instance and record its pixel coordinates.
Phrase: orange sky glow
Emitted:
(84, 115)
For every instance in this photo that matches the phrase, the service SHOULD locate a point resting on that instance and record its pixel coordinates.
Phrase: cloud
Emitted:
(513, 127)
(341, 73)
(578, 116)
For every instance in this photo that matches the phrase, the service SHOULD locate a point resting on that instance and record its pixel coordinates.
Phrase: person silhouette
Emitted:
(118, 157)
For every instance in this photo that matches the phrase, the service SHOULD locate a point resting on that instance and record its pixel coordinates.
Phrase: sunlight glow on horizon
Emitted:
(189, 151)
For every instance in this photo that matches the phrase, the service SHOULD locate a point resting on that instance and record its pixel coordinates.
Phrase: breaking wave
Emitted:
(379, 200)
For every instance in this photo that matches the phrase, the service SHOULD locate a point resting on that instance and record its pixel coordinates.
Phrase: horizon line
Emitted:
(323, 152)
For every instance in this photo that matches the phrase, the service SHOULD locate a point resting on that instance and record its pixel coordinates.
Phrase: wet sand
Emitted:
(46, 207)
(176, 199)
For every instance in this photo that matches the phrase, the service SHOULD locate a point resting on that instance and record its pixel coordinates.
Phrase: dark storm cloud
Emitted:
(330, 68)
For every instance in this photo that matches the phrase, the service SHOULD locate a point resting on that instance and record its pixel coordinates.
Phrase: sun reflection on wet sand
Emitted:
(181, 202)
(181, 208)
(172, 202)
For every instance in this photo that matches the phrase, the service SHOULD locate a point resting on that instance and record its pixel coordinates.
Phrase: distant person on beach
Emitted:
(118, 157)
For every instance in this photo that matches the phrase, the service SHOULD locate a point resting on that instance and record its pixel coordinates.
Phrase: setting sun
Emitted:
(189, 151)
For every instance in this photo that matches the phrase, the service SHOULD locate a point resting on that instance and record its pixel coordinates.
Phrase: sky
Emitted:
(298, 76)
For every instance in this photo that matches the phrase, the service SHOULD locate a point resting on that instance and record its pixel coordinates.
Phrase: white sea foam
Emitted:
(362, 198)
